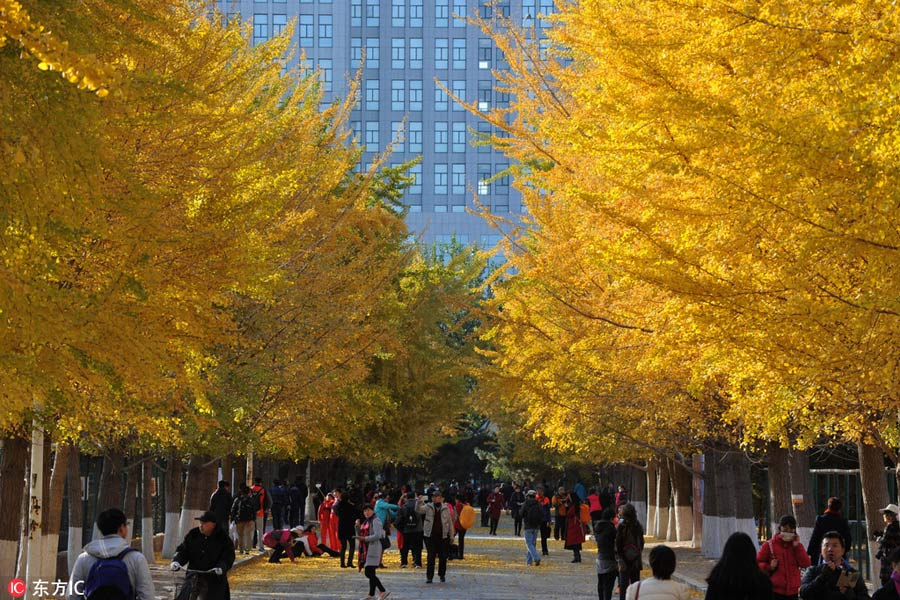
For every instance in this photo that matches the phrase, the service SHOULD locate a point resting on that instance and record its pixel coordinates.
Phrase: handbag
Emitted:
(385, 542)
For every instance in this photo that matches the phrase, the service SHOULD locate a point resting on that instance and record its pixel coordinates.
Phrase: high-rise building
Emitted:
(408, 46)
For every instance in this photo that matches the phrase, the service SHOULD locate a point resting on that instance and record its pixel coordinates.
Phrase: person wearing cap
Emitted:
(533, 518)
(782, 558)
(888, 540)
(438, 531)
(207, 548)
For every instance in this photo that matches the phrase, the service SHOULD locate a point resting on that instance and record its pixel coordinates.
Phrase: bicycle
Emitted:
(193, 587)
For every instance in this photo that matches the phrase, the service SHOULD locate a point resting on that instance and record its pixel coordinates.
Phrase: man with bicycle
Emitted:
(208, 553)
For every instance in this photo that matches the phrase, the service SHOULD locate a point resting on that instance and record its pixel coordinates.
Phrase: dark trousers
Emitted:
(628, 576)
(494, 523)
(294, 517)
(485, 515)
(374, 582)
(278, 553)
(605, 584)
(517, 525)
(412, 542)
(277, 516)
(461, 543)
(437, 549)
(545, 535)
(559, 528)
(348, 544)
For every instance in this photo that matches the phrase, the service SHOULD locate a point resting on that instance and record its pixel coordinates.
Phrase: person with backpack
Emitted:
(263, 502)
(532, 519)
(278, 494)
(109, 567)
(243, 513)
(411, 523)
(629, 546)
(207, 548)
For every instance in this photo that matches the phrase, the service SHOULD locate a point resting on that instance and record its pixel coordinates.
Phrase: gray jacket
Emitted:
(373, 543)
(428, 511)
(105, 547)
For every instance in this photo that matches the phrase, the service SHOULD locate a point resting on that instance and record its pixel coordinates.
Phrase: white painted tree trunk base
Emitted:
(661, 524)
(650, 525)
(171, 539)
(684, 523)
(641, 510)
(805, 533)
(75, 546)
(147, 539)
(711, 545)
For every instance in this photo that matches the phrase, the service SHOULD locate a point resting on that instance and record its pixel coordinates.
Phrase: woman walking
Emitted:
(629, 546)
(607, 571)
(737, 574)
(782, 557)
(574, 527)
(370, 533)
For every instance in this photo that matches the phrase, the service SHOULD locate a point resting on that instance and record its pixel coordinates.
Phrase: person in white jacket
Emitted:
(660, 586)
(114, 543)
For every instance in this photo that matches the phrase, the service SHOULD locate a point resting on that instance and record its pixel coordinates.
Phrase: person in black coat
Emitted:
(220, 504)
(207, 548)
(830, 520)
(833, 578)
(737, 575)
(348, 512)
(889, 591)
(297, 493)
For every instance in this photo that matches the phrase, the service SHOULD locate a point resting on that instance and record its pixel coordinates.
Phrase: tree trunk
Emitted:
(227, 471)
(711, 546)
(171, 538)
(652, 467)
(76, 506)
(663, 496)
(638, 493)
(147, 511)
(684, 517)
(739, 465)
(697, 504)
(201, 480)
(875, 496)
(779, 484)
(53, 506)
(129, 506)
(110, 492)
(12, 481)
(801, 494)
(34, 527)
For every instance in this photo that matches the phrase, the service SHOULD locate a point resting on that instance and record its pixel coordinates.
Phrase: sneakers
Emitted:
(537, 563)
(443, 579)
(418, 566)
(383, 595)
(428, 581)
(403, 566)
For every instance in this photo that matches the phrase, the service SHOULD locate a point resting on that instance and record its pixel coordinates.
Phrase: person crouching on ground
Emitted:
(282, 542)
(660, 586)
(370, 533)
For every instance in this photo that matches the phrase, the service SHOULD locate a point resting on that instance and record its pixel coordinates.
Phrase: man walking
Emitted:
(533, 518)
(263, 502)
(438, 530)
(114, 554)
(297, 510)
(220, 504)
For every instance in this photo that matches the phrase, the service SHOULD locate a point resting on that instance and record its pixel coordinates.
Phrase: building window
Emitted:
(398, 94)
(484, 53)
(415, 137)
(397, 136)
(502, 8)
(373, 12)
(440, 98)
(279, 22)
(441, 53)
(440, 179)
(356, 13)
(398, 13)
(458, 87)
(415, 53)
(501, 184)
(502, 99)
(326, 31)
(459, 12)
(373, 91)
(355, 52)
(415, 187)
(440, 137)
(306, 31)
(459, 53)
(484, 175)
(458, 181)
(441, 13)
(398, 53)
(373, 53)
(415, 13)
(486, 12)
(546, 10)
(459, 137)
(325, 73)
(484, 95)
(356, 126)
(415, 94)
(260, 28)
(484, 136)
(372, 136)
(529, 12)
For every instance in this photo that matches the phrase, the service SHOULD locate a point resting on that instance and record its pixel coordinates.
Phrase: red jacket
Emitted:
(791, 558)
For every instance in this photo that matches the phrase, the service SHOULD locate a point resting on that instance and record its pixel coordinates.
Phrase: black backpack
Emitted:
(108, 579)
(408, 520)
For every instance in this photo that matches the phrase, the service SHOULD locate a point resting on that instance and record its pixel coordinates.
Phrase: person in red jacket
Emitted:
(781, 558)
(495, 502)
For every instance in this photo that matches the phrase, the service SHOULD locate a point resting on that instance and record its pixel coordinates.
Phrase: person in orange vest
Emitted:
(263, 502)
